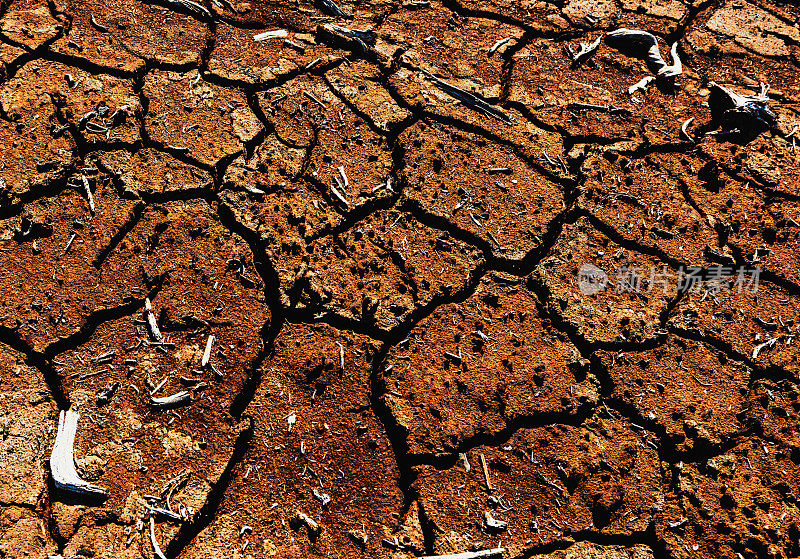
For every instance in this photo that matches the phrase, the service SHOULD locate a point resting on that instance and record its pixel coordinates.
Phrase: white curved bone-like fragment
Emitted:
(684, 130)
(586, 51)
(639, 44)
(62, 461)
(677, 67)
(177, 399)
(641, 85)
(644, 45)
(156, 549)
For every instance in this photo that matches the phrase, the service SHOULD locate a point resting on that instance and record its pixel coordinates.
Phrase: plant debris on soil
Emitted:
(395, 279)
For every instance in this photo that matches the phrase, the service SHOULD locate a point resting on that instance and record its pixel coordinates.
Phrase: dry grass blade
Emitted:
(469, 99)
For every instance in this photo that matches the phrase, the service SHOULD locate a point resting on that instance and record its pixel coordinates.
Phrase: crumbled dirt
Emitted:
(537, 312)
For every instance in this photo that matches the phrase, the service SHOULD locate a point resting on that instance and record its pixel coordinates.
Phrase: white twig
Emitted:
(486, 473)
(341, 355)
(88, 190)
(339, 196)
(177, 399)
(276, 34)
(152, 326)
(586, 51)
(766, 345)
(497, 45)
(314, 98)
(207, 352)
(496, 552)
(340, 168)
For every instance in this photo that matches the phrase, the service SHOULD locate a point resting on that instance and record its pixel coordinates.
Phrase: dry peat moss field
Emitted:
(399, 278)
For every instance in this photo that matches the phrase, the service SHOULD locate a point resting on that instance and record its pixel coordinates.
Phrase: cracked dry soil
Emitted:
(402, 362)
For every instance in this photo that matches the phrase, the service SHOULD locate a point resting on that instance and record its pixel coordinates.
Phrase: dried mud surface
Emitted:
(401, 352)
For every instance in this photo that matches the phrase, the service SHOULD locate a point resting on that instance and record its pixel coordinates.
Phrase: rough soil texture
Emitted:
(401, 349)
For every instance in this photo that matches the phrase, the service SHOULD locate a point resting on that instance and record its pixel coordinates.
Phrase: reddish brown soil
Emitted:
(402, 351)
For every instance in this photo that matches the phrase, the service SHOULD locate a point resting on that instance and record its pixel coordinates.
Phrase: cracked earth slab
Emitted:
(759, 319)
(476, 369)
(743, 494)
(27, 417)
(549, 484)
(375, 273)
(318, 448)
(614, 313)
(688, 389)
(124, 33)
